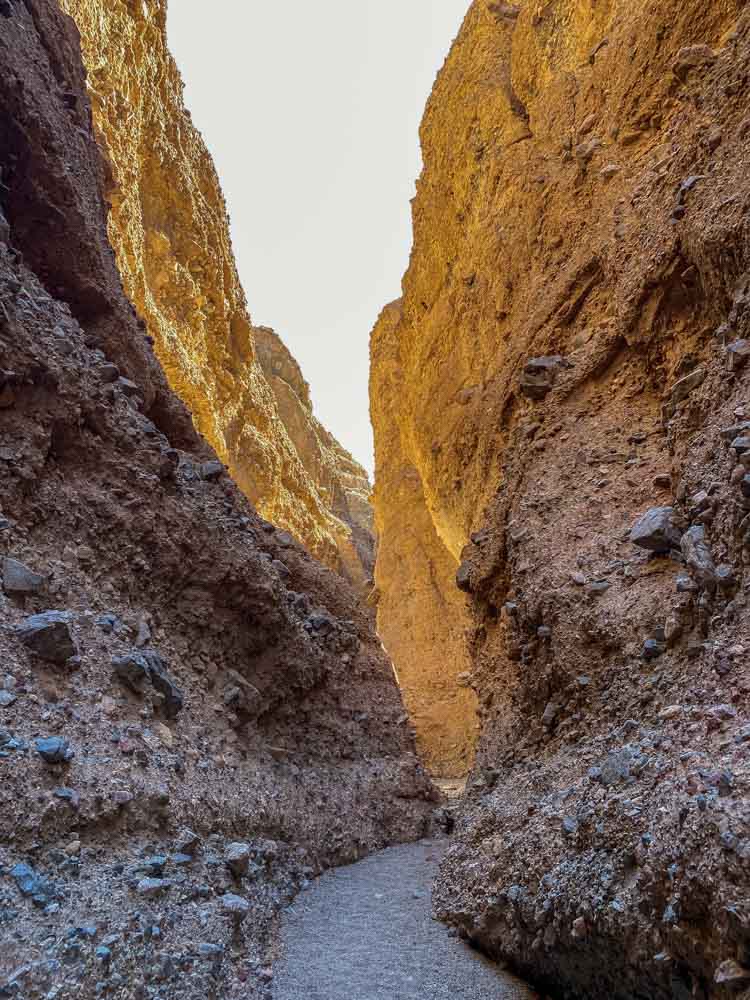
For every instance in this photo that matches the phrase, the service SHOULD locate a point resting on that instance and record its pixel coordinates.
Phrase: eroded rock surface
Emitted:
(341, 482)
(169, 229)
(583, 200)
(178, 678)
(421, 615)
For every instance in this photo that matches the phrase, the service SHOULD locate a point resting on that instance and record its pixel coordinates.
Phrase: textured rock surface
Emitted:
(584, 197)
(169, 229)
(339, 481)
(196, 680)
(421, 614)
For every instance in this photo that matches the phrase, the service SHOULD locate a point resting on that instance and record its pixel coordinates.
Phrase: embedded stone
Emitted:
(540, 374)
(731, 971)
(133, 670)
(237, 859)
(692, 57)
(211, 471)
(54, 750)
(19, 579)
(151, 887)
(48, 635)
(684, 387)
(234, 907)
(738, 353)
(140, 667)
(463, 577)
(652, 649)
(655, 530)
(697, 553)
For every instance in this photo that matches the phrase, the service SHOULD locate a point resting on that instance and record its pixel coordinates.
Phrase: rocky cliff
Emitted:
(169, 229)
(570, 356)
(195, 716)
(421, 614)
(340, 482)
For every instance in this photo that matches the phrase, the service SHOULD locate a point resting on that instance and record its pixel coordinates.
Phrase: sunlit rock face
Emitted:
(340, 482)
(421, 614)
(557, 368)
(169, 229)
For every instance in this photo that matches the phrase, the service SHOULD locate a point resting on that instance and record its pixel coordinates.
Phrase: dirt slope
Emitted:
(195, 716)
(584, 201)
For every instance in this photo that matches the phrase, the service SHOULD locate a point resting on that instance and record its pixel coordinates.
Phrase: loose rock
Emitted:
(49, 636)
(19, 579)
(655, 530)
(54, 750)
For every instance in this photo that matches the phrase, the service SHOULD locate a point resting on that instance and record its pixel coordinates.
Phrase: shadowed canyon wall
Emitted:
(568, 355)
(169, 228)
(195, 715)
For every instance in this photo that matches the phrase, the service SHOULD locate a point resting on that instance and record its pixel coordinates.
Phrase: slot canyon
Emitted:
(508, 682)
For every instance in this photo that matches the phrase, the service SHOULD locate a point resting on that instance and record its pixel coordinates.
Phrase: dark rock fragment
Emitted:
(738, 353)
(19, 579)
(621, 766)
(139, 668)
(540, 374)
(652, 649)
(692, 57)
(54, 750)
(133, 670)
(129, 388)
(463, 577)
(31, 884)
(211, 471)
(48, 635)
(697, 554)
(655, 531)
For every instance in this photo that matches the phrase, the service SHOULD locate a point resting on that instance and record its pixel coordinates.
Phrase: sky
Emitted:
(311, 111)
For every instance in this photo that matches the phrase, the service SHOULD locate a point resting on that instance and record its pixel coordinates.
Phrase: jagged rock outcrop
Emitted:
(169, 229)
(195, 715)
(571, 353)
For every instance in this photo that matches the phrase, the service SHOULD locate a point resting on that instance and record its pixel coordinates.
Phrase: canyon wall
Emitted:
(169, 229)
(569, 354)
(195, 715)
(342, 483)
(421, 614)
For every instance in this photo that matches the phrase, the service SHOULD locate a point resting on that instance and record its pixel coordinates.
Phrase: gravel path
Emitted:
(365, 933)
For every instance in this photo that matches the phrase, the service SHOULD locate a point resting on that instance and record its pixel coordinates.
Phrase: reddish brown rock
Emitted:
(260, 662)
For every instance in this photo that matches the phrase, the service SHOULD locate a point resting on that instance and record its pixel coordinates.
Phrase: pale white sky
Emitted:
(311, 111)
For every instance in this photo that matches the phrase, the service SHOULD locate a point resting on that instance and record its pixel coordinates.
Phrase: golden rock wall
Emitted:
(421, 614)
(168, 225)
(542, 225)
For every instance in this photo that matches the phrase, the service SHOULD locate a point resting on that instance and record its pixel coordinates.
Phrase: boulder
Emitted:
(19, 579)
(655, 531)
(48, 636)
